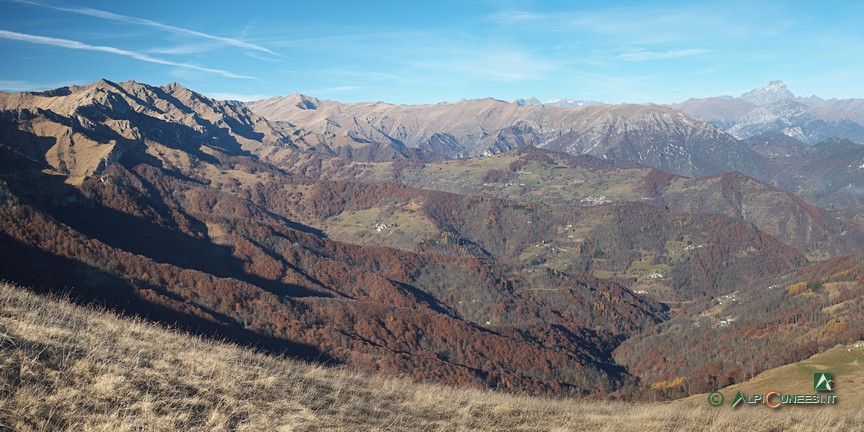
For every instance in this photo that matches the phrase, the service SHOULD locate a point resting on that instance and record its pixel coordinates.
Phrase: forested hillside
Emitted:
(529, 271)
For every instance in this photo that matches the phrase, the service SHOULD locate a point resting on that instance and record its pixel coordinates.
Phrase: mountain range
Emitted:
(774, 108)
(653, 135)
(695, 138)
(535, 249)
(559, 103)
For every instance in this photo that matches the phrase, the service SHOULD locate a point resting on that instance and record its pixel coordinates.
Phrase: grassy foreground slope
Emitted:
(65, 367)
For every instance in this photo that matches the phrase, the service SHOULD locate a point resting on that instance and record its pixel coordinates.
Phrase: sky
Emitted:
(430, 52)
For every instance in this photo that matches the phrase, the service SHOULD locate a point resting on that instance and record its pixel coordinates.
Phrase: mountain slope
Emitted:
(244, 273)
(239, 266)
(82, 130)
(86, 368)
(829, 174)
(797, 120)
(653, 135)
(661, 138)
(773, 108)
(558, 179)
(731, 338)
(198, 218)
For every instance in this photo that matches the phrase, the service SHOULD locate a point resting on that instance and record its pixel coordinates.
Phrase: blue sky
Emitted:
(428, 52)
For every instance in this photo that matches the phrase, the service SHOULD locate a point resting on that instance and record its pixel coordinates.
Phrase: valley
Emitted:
(436, 216)
(524, 270)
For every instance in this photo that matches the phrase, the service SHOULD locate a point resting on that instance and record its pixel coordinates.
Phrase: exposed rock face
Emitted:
(84, 129)
(774, 108)
(773, 92)
(796, 120)
(654, 135)
(662, 138)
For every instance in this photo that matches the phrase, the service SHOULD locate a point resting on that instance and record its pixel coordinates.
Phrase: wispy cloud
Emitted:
(489, 63)
(643, 55)
(647, 24)
(16, 86)
(71, 44)
(332, 90)
(183, 49)
(265, 58)
(416, 56)
(148, 23)
(362, 75)
(23, 86)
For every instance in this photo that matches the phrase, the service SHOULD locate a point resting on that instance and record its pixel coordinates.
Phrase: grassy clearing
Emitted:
(65, 367)
(552, 183)
(399, 227)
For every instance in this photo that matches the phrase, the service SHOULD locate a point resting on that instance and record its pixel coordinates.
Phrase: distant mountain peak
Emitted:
(775, 91)
(531, 101)
(571, 103)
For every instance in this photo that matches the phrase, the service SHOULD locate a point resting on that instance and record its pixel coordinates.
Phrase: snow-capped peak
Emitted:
(570, 103)
(773, 92)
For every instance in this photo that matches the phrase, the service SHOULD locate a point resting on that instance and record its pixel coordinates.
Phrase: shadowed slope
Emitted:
(64, 367)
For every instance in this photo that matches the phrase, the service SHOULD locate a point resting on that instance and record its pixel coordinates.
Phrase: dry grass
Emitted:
(64, 367)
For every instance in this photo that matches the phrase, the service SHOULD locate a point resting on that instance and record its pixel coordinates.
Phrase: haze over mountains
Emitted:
(774, 108)
(654, 135)
(695, 138)
(559, 103)
(532, 249)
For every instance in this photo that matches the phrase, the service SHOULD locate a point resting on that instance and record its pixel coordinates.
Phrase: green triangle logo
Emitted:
(738, 398)
(822, 381)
